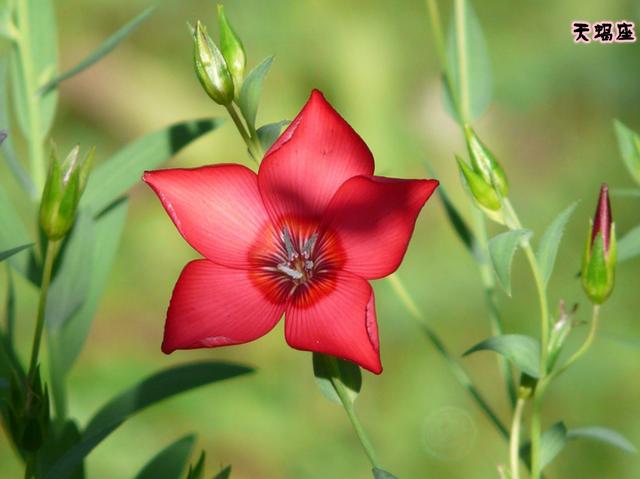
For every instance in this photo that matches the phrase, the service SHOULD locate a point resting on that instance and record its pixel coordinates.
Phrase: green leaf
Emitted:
(12, 233)
(380, 474)
(58, 441)
(10, 252)
(626, 192)
(605, 435)
(469, 65)
(332, 373)
(67, 342)
(224, 473)
(114, 177)
(629, 245)
(170, 462)
(501, 249)
(251, 90)
(268, 134)
(550, 242)
(8, 151)
(523, 351)
(70, 285)
(152, 390)
(552, 442)
(629, 146)
(197, 471)
(39, 26)
(104, 49)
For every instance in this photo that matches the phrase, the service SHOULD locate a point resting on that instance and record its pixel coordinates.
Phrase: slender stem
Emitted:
(463, 61)
(458, 371)
(50, 254)
(514, 442)
(255, 150)
(28, 470)
(351, 413)
(32, 99)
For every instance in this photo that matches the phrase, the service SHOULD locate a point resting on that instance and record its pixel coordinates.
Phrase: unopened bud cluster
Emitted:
(219, 70)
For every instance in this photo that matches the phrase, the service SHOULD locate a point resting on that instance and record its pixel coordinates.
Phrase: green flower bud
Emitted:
(481, 191)
(484, 162)
(62, 191)
(598, 265)
(559, 333)
(232, 50)
(211, 67)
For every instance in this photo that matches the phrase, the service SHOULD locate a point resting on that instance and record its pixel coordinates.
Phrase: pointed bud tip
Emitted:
(603, 219)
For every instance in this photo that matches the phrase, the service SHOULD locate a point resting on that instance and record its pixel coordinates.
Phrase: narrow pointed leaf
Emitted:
(160, 386)
(104, 49)
(251, 90)
(380, 474)
(552, 442)
(345, 373)
(629, 245)
(605, 435)
(58, 441)
(550, 242)
(197, 471)
(114, 177)
(268, 134)
(170, 462)
(10, 252)
(469, 65)
(629, 146)
(66, 343)
(224, 473)
(70, 286)
(523, 351)
(501, 249)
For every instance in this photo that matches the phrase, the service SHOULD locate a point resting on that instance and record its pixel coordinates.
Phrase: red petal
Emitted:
(214, 306)
(340, 321)
(373, 218)
(312, 158)
(217, 209)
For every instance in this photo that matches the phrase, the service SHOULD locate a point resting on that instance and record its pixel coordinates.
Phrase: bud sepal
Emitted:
(211, 67)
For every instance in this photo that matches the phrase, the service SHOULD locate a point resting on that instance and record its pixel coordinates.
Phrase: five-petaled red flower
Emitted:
(300, 238)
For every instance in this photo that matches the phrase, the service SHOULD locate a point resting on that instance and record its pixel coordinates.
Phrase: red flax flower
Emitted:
(300, 238)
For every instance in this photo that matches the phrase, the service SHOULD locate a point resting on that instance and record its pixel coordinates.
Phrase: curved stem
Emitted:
(42, 304)
(514, 441)
(351, 413)
(250, 139)
(457, 370)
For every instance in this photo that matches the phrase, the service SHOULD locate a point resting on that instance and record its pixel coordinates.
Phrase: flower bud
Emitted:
(485, 163)
(62, 191)
(481, 191)
(232, 50)
(598, 266)
(559, 333)
(211, 67)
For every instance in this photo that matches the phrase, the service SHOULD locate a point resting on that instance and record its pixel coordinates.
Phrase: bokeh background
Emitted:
(550, 124)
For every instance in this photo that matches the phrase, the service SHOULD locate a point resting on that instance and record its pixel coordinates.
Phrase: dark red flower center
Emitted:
(299, 264)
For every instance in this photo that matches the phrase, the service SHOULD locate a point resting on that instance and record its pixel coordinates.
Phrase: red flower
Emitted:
(302, 237)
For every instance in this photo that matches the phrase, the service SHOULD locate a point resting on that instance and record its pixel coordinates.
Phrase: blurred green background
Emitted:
(551, 126)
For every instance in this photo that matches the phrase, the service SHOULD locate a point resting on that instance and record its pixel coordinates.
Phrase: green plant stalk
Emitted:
(250, 139)
(49, 258)
(458, 371)
(351, 413)
(514, 441)
(462, 55)
(35, 134)
(57, 379)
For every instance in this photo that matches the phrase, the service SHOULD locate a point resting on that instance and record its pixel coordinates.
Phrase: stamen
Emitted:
(308, 246)
(293, 273)
(308, 264)
(288, 244)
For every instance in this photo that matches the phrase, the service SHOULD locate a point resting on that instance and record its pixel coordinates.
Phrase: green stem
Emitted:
(351, 413)
(42, 304)
(458, 371)
(463, 61)
(32, 99)
(250, 138)
(514, 442)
